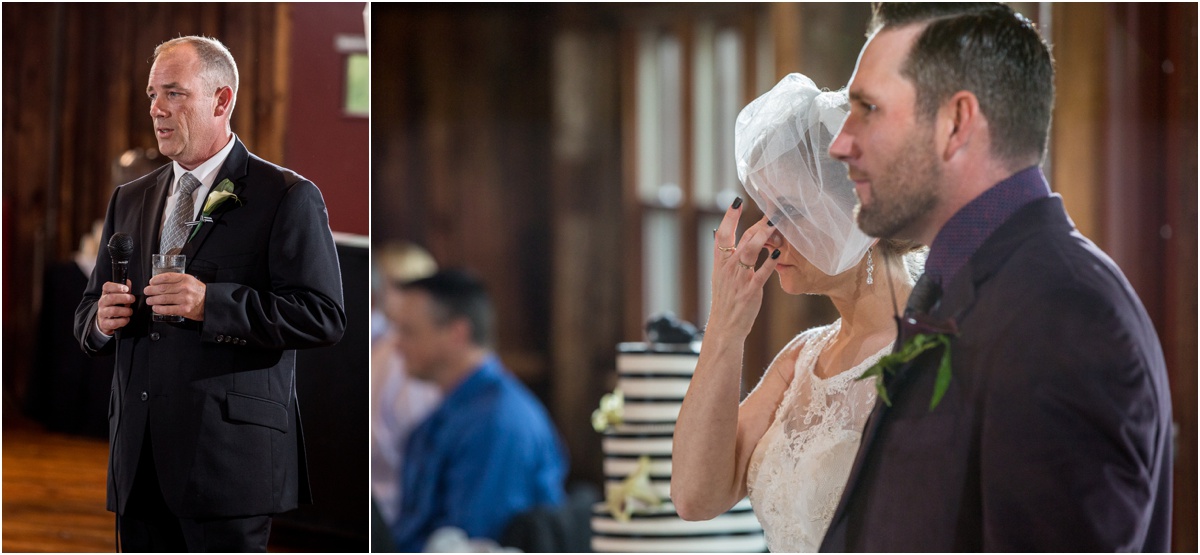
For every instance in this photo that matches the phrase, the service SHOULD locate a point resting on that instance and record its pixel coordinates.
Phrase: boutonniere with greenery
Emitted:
(222, 192)
(924, 334)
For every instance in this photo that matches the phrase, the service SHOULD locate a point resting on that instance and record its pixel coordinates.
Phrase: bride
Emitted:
(791, 443)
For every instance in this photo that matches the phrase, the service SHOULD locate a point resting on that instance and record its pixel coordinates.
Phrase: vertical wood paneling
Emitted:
(1134, 141)
(278, 79)
(787, 36)
(29, 28)
(1077, 133)
(468, 112)
(588, 248)
(633, 268)
(1180, 336)
(1124, 158)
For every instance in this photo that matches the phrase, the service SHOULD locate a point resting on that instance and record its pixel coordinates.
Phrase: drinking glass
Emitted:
(161, 264)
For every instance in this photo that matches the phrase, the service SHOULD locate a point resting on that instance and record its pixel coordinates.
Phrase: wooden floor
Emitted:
(53, 490)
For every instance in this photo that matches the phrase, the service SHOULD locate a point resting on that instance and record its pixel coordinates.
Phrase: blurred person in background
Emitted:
(489, 451)
(398, 402)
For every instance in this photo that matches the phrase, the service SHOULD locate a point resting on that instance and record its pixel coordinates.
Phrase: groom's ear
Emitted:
(960, 125)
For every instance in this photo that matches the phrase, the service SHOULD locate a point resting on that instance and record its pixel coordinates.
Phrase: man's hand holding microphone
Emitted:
(115, 306)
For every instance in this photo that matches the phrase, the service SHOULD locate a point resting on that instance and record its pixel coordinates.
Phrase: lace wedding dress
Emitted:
(800, 466)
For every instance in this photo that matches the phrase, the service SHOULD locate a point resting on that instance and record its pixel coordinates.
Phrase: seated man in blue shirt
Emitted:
(489, 451)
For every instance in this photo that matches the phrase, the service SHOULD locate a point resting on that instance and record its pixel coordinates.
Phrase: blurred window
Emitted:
(690, 81)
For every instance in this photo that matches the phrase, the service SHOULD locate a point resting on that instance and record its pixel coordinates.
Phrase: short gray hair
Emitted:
(216, 62)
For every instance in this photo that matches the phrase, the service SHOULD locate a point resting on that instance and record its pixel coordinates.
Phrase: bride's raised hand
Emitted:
(737, 287)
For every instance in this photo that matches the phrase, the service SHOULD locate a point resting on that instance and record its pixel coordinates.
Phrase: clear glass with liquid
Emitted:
(162, 264)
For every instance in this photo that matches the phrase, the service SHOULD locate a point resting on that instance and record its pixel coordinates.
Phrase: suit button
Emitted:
(154, 336)
(145, 395)
(242, 342)
(220, 338)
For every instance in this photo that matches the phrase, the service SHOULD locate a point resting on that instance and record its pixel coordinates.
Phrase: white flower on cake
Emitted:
(621, 499)
(610, 413)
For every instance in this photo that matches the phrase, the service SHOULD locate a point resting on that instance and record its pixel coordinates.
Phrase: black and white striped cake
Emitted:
(653, 379)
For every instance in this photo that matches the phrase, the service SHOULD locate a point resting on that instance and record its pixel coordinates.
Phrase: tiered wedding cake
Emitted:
(638, 516)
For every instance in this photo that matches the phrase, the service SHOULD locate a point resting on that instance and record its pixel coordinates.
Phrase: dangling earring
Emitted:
(870, 267)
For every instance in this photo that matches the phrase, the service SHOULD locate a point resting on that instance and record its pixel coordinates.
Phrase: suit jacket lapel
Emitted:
(153, 200)
(959, 296)
(234, 169)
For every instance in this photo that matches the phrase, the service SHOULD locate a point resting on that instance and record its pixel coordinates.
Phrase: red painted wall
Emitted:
(323, 144)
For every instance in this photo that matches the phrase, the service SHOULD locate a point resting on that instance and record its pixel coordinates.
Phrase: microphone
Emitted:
(120, 248)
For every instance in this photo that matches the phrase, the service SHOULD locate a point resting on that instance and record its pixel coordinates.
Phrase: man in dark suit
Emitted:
(204, 429)
(1053, 433)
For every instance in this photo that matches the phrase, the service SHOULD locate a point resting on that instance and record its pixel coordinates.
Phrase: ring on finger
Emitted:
(748, 267)
(726, 249)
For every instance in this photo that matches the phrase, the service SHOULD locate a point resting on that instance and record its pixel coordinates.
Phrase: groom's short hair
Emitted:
(989, 50)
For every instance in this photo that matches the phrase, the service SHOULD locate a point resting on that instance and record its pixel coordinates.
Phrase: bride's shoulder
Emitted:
(812, 338)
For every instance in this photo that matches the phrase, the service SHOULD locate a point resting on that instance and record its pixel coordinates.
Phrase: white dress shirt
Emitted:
(206, 173)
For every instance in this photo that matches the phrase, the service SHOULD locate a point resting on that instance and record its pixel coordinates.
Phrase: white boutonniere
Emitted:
(222, 192)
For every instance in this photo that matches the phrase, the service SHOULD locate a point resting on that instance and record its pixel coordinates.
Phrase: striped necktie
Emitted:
(175, 233)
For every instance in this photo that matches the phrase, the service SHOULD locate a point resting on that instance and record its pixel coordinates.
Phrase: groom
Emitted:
(1054, 431)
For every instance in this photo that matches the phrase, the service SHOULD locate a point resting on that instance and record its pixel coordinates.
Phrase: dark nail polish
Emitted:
(775, 254)
(770, 223)
(737, 202)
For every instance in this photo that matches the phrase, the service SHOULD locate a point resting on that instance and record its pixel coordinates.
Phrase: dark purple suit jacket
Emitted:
(1055, 433)
(219, 397)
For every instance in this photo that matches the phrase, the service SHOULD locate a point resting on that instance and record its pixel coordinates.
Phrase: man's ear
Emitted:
(461, 329)
(224, 101)
(959, 120)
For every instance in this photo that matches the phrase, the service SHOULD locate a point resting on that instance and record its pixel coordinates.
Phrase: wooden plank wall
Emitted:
(589, 249)
(461, 158)
(496, 146)
(74, 100)
(1179, 319)
(1123, 155)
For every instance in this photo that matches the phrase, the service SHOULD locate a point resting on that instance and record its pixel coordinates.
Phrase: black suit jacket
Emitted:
(1055, 433)
(218, 397)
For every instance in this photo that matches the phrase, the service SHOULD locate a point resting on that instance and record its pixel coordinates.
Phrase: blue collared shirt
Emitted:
(966, 231)
(488, 453)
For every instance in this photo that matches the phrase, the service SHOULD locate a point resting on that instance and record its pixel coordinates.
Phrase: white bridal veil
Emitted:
(781, 141)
